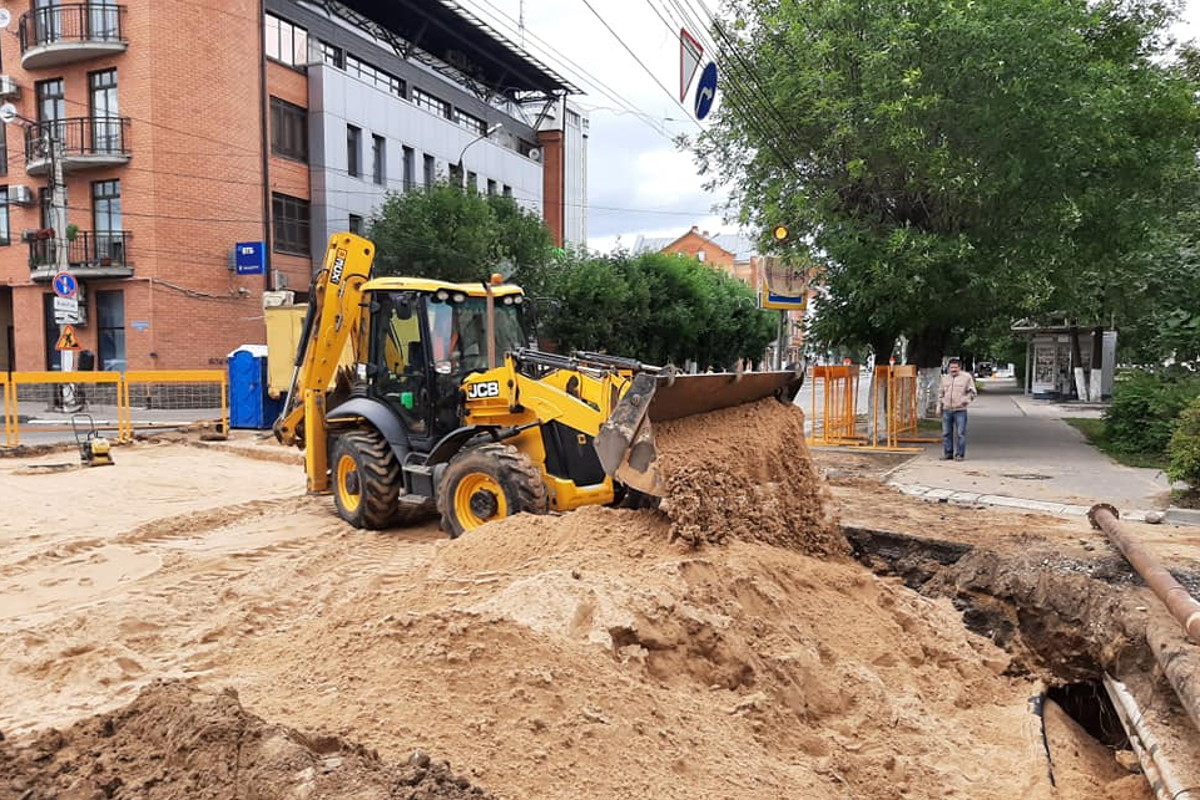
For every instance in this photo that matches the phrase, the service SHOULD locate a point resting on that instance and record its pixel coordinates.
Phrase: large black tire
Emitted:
(487, 483)
(366, 479)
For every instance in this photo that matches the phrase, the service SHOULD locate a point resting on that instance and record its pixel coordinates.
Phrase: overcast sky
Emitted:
(638, 182)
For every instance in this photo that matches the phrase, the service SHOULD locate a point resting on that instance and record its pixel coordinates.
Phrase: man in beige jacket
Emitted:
(957, 392)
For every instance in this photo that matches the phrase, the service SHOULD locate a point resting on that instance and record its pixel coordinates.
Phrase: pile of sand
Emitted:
(744, 473)
(174, 743)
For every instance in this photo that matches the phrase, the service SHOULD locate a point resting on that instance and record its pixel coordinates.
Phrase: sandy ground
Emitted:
(583, 656)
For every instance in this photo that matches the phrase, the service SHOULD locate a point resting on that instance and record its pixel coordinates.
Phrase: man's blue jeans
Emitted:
(954, 432)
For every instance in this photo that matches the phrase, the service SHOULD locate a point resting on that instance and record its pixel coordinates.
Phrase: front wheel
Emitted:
(366, 479)
(486, 483)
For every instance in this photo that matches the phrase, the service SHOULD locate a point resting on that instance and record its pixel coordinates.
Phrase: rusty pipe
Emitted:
(1178, 601)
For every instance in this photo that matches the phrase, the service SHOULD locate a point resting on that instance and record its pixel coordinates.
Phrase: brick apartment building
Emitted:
(310, 114)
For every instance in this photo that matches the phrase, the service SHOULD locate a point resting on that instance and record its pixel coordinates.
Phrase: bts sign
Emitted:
(250, 258)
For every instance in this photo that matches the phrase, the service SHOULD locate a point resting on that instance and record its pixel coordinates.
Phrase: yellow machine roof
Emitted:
(397, 284)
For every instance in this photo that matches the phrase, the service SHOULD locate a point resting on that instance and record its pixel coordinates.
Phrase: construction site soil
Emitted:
(188, 623)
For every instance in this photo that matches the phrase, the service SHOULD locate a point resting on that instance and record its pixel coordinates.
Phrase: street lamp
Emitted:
(490, 130)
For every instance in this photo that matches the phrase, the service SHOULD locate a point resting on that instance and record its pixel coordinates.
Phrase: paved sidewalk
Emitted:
(1020, 448)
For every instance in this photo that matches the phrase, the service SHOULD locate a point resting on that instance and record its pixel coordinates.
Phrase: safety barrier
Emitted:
(898, 385)
(891, 418)
(161, 398)
(839, 401)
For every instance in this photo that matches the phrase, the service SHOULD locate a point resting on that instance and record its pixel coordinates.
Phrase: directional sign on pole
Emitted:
(706, 90)
(690, 53)
(65, 284)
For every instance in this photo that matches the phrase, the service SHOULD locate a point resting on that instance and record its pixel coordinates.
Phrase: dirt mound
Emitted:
(173, 743)
(745, 473)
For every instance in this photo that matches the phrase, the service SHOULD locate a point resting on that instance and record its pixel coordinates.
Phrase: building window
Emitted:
(109, 240)
(102, 103)
(474, 124)
(491, 186)
(285, 42)
(110, 330)
(289, 130)
(472, 181)
(290, 217)
(356, 224)
(430, 171)
(51, 103)
(378, 159)
(353, 151)
(5, 236)
(3, 151)
(507, 190)
(332, 55)
(410, 168)
(427, 101)
(373, 75)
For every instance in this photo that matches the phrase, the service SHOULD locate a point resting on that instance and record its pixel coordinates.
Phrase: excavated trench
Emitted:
(1067, 622)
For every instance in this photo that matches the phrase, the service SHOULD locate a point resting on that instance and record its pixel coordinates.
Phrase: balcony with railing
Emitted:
(60, 34)
(95, 254)
(85, 142)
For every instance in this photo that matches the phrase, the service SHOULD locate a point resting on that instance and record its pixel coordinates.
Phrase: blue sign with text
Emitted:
(250, 258)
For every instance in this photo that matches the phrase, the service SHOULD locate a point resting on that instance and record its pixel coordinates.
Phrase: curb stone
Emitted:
(933, 495)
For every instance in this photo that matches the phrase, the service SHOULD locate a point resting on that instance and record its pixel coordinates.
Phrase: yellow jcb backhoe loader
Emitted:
(410, 395)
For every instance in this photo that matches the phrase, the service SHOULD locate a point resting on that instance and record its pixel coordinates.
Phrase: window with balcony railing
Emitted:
(57, 23)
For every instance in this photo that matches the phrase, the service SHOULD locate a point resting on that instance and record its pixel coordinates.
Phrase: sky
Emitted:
(639, 182)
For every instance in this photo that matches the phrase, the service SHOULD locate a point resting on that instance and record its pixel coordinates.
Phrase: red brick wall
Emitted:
(190, 84)
(692, 243)
(551, 143)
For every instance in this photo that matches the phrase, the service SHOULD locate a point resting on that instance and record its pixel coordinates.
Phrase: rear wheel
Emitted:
(366, 479)
(486, 483)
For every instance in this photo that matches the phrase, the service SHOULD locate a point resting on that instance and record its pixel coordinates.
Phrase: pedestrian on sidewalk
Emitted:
(957, 392)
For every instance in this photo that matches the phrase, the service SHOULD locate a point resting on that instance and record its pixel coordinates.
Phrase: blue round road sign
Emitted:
(706, 90)
(65, 284)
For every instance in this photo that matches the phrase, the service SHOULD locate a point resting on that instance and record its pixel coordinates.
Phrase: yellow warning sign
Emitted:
(68, 340)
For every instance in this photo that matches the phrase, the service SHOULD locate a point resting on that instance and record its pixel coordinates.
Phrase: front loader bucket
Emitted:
(625, 443)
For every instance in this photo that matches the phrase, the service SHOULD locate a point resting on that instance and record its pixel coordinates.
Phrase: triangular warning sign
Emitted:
(67, 340)
(690, 53)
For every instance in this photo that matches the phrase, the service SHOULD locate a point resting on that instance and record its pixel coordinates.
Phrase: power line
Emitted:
(634, 55)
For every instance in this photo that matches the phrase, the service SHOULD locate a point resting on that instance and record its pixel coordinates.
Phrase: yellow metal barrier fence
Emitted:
(839, 400)
(163, 398)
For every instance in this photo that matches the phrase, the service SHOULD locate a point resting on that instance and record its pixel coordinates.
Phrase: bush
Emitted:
(1184, 447)
(1144, 410)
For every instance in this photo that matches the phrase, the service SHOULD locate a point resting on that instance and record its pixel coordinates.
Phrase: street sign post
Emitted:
(706, 91)
(690, 53)
(65, 284)
(67, 340)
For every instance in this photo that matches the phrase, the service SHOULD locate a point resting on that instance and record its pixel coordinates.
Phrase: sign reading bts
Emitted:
(250, 258)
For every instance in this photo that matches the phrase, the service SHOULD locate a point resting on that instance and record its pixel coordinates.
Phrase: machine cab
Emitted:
(425, 337)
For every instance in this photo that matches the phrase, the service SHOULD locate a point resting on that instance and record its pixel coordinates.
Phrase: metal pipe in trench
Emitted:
(1178, 601)
(1165, 784)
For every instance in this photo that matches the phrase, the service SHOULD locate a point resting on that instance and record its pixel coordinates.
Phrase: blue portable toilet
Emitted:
(249, 404)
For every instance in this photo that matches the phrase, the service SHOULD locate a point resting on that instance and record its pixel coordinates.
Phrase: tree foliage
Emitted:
(953, 161)
(654, 307)
(455, 235)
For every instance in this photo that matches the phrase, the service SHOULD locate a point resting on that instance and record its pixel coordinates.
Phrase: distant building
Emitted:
(734, 253)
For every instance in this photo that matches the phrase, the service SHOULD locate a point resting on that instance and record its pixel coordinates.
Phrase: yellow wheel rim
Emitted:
(479, 498)
(348, 488)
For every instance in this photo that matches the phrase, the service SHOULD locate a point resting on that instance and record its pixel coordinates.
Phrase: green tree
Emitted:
(656, 308)
(953, 161)
(454, 235)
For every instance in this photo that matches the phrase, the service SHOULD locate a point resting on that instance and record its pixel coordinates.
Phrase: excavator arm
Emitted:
(334, 315)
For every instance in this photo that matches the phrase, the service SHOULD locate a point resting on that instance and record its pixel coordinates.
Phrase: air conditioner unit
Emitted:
(9, 88)
(21, 195)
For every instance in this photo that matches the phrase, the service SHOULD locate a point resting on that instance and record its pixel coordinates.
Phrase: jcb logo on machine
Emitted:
(482, 391)
(339, 264)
